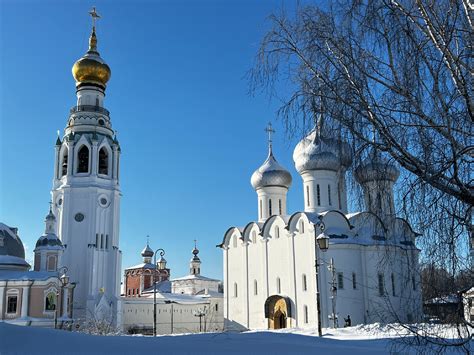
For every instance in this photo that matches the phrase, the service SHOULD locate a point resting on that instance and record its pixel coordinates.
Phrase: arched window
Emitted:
(269, 207)
(392, 277)
(307, 195)
(305, 308)
(64, 162)
(277, 232)
(83, 160)
(279, 205)
(305, 284)
(103, 161)
(50, 301)
(318, 195)
(278, 285)
(235, 289)
(255, 287)
(302, 227)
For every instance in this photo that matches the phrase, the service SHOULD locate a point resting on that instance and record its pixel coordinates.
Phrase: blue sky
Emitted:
(190, 133)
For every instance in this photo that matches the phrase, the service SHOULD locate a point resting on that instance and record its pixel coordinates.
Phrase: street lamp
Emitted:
(161, 265)
(64, 281)
(322, 242)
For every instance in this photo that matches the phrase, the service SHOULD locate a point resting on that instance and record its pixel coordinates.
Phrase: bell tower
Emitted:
(86, 191)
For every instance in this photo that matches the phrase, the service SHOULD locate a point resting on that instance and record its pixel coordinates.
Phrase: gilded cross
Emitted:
(94, 16)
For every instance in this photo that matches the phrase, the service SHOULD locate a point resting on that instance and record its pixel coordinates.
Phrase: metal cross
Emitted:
(94, 16)
(269, 129)
(195, 245)
(147, 240)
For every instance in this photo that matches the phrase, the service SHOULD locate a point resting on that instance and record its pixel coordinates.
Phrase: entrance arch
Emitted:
(277, 311)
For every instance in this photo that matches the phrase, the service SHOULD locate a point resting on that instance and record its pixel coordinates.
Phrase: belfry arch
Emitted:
(278, 312)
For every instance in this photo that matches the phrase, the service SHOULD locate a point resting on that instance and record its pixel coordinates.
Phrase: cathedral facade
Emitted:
(370, 271)
(86, 192)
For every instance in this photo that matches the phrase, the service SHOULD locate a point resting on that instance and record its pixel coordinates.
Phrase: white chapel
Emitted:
(370, 271)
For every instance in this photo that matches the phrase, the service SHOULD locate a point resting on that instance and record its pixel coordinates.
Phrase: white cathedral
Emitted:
(369, 273)
(86, 192)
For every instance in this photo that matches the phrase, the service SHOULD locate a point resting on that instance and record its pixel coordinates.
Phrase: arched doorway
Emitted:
(277, 311)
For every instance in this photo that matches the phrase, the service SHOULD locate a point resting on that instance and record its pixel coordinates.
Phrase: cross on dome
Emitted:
(269, 129)
(95, 16)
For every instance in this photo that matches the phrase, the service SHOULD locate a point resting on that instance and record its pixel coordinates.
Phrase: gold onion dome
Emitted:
(91, 68)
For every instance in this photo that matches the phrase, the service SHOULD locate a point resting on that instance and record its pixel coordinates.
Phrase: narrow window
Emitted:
(235, 289)
(305, 308)
(269, 207)
(279, 205)
(381, 285)
(260, 209)
(318, 195)
(106, 241)
(255, 287)
(217, 307)
(278, 285)
(305, 285)
(101, 241)
(277, 232)
(340, 280)
(64, 163)
(413, 283)
(354, 281)
(103, 161)
(307, 195)
(392, 278)
(329, 195)
(51, 263)
(83, 160)
(12, 304)
(97, 240)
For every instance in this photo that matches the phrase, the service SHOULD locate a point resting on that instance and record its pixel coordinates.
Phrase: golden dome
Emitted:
(91, 68)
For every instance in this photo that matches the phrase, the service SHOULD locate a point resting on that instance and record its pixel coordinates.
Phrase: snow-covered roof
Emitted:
(163, 287)
(142, 266)
(452, 298)
(26, 275)
(194, 277)
(7, 261)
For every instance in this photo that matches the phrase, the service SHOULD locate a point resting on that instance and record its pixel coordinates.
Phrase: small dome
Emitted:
(48, 241)
(376, 167)
(147, 252)
(91, 68)
(317, 152)
(270, 174)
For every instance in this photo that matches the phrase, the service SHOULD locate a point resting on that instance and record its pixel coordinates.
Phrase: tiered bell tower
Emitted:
(86, 192)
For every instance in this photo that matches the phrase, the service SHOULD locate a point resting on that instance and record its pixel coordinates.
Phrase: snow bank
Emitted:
(353, 341)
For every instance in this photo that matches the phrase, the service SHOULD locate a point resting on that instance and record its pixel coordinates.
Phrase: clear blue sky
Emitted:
(190, 133)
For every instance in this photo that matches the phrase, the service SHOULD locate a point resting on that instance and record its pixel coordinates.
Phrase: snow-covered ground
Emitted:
(372, 339)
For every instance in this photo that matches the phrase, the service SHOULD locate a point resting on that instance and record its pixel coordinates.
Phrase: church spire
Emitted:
(195, 263)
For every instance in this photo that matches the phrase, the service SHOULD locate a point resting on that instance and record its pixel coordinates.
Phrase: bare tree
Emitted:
(396, 76)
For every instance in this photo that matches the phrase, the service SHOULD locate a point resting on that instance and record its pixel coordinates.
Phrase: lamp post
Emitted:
(200, 313)
(161, 265)
(64, 281)
(322, 242)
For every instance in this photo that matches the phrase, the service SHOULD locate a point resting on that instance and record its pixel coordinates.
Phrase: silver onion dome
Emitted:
(147, 252)
(47, 241)
(375, 167)
(319, 152)
(270, 174)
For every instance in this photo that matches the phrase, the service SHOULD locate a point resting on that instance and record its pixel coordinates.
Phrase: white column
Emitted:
(2, 301)
(94, 160)
(115, 165)
(24, 300)
(57, 161)
(65, 296)
(70, 157)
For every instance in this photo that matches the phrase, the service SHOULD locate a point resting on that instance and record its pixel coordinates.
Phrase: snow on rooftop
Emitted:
(26, 275)
(194, 277)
